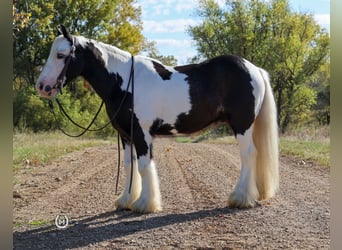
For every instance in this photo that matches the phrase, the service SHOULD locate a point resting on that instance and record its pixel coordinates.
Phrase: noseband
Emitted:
(61, 78)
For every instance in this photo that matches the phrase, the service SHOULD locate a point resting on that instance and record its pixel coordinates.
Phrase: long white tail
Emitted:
(265, 137)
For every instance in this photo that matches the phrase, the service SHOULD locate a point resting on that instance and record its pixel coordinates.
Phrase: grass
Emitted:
(34, 223)
(39, 223)
(307, 150)
(311, 143)
(183, 139)
(42, 148)
(308, 143)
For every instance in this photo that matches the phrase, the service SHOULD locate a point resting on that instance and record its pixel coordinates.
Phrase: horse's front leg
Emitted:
(126, 198)
(150, 198)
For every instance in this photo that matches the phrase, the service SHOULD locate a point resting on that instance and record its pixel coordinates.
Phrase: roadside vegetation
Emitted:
(33, 149)
(307, 144)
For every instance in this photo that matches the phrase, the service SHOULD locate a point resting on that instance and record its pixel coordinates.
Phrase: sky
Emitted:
(165, 22)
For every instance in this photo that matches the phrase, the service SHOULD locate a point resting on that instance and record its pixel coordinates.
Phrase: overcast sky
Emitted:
(165, 22)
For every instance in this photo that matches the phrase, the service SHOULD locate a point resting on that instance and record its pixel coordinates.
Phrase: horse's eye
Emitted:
(60, 56)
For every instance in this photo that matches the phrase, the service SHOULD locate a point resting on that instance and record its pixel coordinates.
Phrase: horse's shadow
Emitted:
(99, 228)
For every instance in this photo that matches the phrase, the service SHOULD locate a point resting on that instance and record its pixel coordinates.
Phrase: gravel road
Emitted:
(196, 179)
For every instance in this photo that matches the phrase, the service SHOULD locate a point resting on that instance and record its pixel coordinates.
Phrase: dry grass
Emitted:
(310, 143)
(41, 148)
(309, 133)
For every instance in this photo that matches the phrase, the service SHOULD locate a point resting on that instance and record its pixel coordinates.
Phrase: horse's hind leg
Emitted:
(246, 193)
(126, 198)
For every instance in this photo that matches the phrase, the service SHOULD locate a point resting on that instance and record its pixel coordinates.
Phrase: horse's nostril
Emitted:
(41, 85)
(47, 88)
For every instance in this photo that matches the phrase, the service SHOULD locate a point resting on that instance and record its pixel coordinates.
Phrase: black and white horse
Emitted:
(168, 100)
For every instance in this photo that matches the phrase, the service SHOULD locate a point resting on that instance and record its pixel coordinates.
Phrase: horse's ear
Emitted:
(59, 31)
(63, 31)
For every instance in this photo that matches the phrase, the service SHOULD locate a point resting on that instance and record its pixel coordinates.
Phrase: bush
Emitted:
(32, 113)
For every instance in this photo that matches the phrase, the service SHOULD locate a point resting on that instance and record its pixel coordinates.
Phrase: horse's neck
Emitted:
(116, 62)
(115, 57)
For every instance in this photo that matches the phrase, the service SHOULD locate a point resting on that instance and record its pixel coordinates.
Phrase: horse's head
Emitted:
(61, 66)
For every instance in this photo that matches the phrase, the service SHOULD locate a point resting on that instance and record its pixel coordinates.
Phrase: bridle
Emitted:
(61, 78)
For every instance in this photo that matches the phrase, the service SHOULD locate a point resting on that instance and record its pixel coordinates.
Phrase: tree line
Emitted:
(291, 46)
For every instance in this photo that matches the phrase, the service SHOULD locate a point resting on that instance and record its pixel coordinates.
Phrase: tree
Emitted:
(153, 52)
(34, 29)
(290, 46)
(321, 83)
(114, 22)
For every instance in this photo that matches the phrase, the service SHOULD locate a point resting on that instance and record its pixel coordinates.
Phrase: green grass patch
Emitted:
(39, 223)
(18, 224)
(316, 151)
(34, 223)
(183, 139)
(309, 150)
(42, 148)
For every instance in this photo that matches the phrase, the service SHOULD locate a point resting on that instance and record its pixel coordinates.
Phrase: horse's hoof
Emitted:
(121, 209)
(142, 206)
(122, 204)
(237, 202)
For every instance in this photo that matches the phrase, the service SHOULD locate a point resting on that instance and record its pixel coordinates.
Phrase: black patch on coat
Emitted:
(220, 91)
(151, 151)
(88, 62)
(122, 122)
(117, 78)
(160, 128)
(96, 52)
(162, 71)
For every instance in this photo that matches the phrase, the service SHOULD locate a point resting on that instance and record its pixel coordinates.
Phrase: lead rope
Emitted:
(84, 129)
(131, 80)
(118, 166)
(132, 120)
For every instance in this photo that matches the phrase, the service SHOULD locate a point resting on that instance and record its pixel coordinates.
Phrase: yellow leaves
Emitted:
(20, 19)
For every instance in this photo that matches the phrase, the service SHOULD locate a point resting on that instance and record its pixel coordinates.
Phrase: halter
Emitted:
(61, 78)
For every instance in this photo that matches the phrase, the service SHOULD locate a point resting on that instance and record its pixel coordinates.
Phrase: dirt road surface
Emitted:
(196, 179)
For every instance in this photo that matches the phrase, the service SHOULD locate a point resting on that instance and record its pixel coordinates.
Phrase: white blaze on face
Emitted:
(53, 67)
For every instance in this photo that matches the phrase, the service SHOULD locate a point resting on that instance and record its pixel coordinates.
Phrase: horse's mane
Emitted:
(104, 46)
(112, 49)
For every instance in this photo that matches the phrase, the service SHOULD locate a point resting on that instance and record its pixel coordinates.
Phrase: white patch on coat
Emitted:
(257, 84)
(157, 98)
(54, 65)
(115, 59)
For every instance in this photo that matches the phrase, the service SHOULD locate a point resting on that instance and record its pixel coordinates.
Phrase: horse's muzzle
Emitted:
(45, 91)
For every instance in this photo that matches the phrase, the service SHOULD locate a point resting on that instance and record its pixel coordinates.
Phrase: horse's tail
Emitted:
(265, 137)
